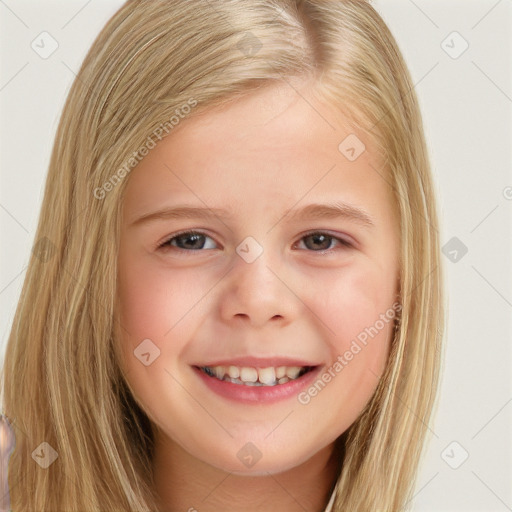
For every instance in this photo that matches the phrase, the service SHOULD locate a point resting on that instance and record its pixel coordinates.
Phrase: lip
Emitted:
(257, 394)
(259, 362)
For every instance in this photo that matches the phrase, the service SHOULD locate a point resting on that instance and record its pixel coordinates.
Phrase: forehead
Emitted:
(279, 144)
(277, 115)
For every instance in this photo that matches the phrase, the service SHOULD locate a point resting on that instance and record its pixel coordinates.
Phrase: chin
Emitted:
(251, 461)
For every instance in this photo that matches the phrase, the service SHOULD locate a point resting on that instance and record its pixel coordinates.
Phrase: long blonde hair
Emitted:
(62, 383)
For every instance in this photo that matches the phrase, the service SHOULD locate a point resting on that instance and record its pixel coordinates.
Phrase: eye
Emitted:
(318, 241)
(188, 241)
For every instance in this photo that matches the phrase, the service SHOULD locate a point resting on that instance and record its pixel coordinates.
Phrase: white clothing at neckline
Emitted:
(331, 502)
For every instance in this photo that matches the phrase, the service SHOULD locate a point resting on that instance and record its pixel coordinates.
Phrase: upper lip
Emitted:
(259, 362)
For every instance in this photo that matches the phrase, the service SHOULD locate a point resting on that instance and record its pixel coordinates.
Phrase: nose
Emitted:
(258, 293)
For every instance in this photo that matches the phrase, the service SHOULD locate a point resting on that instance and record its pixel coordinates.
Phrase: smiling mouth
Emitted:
(251, 376)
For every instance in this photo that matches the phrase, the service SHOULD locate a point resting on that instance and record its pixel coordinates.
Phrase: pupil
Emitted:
(320, 239)
(194, 241)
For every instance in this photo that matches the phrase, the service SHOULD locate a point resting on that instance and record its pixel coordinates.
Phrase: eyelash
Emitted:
(167, 243)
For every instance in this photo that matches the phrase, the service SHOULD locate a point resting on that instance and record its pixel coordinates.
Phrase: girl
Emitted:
(226, 305)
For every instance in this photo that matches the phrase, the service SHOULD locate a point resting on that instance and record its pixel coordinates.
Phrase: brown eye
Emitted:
(318, 241)
(188, 241)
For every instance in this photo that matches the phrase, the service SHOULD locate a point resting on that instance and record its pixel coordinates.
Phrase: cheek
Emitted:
(354, 301)
(153, 300)
(159, 305)
(356, 309)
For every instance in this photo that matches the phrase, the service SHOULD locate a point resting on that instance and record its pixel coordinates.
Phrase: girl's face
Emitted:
(259, 242)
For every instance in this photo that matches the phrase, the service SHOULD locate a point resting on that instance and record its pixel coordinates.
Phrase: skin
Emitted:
(258, 156)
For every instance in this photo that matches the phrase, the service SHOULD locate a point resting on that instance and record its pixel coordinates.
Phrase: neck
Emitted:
(184, 483)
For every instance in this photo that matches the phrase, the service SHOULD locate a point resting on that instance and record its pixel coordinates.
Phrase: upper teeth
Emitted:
(255, 376)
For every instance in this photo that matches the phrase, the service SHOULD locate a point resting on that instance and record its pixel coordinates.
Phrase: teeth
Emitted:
(248, 374)
(256, 376)
(234, 372)
(280, 372)
(267, 376)
(219, 371)
(293, 372)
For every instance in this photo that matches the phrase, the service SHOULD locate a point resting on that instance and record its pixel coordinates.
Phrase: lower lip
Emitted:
(258, 394)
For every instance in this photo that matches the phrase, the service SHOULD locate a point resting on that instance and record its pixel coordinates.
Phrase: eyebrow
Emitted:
(314, 211)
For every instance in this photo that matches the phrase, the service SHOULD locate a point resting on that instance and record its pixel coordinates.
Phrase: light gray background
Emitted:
(467, 108)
